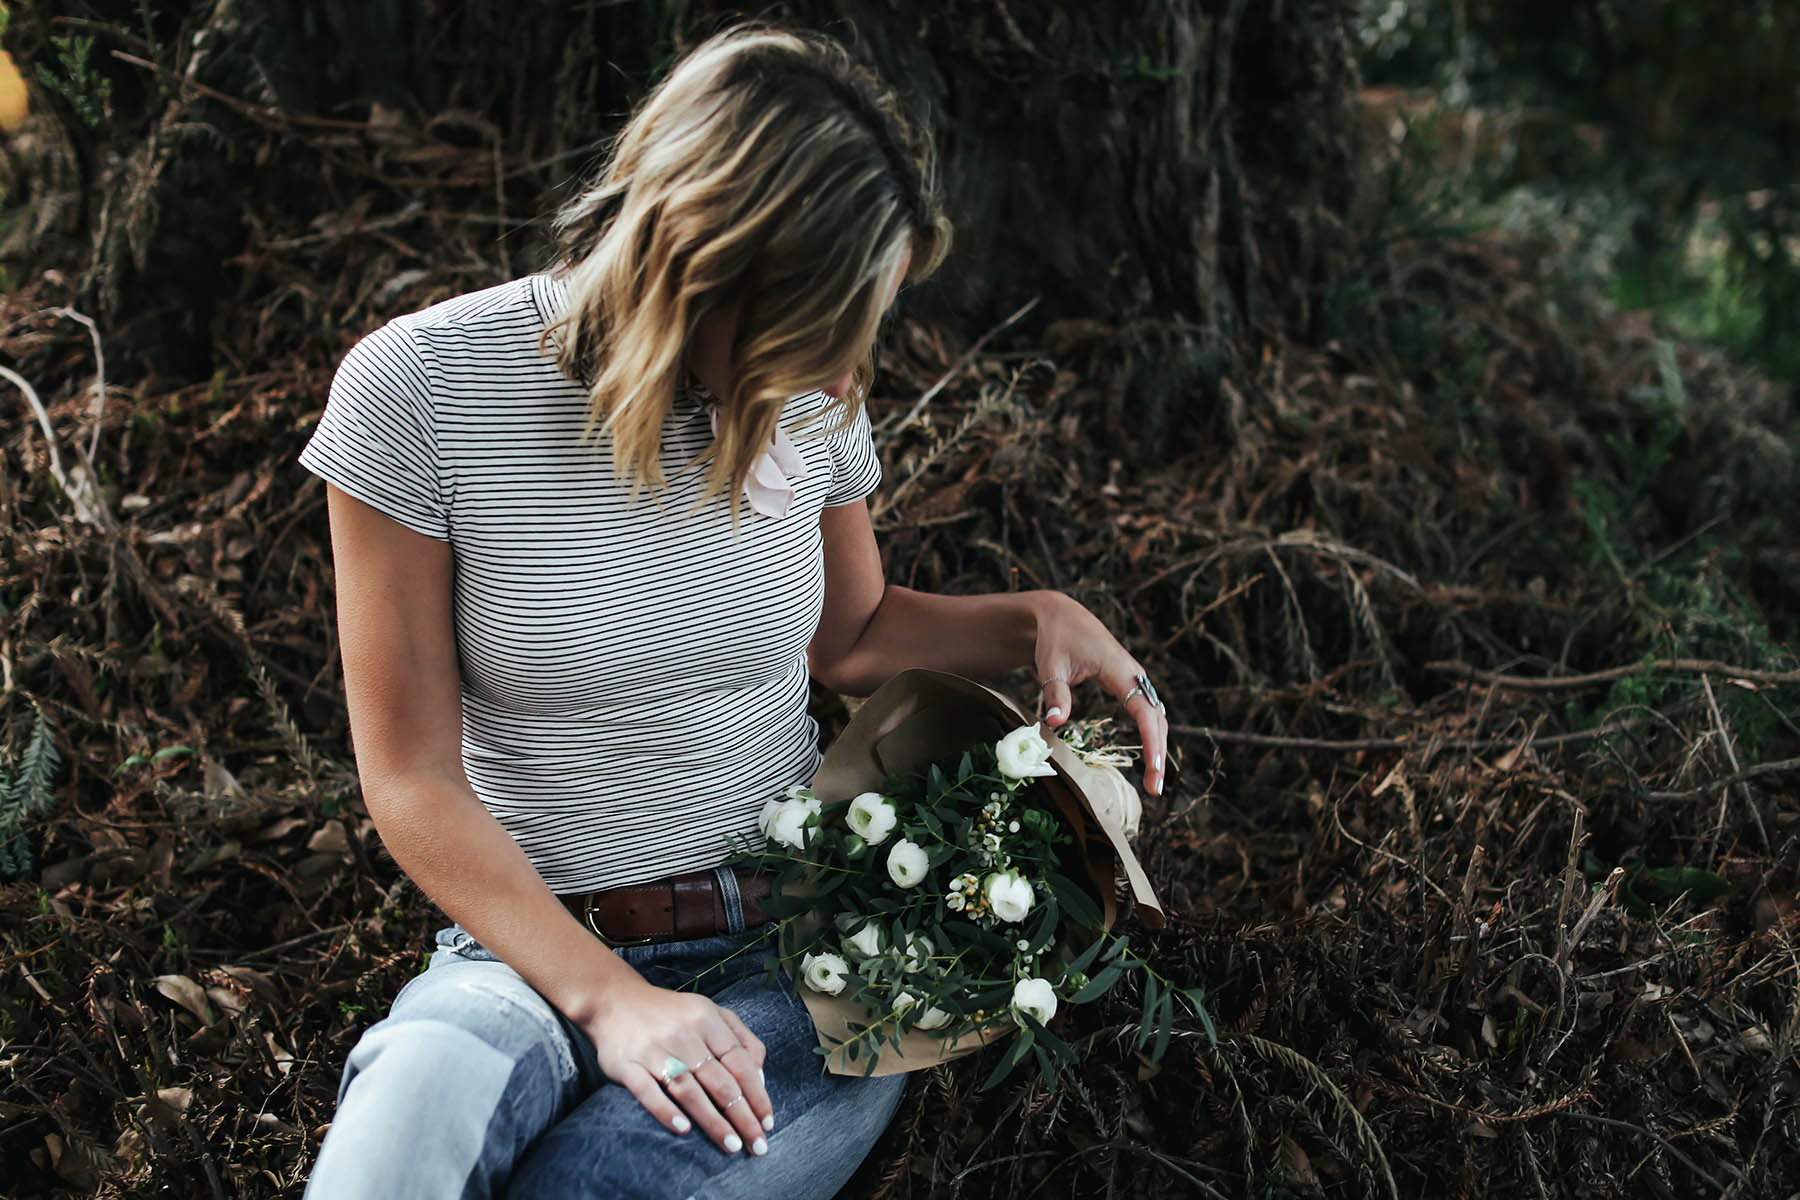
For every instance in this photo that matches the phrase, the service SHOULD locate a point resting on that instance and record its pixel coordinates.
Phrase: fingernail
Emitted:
(768, 1122)
(682, 1124)
(759, 1147)
(733, 1144)
(1156, 762)
(1053, 714)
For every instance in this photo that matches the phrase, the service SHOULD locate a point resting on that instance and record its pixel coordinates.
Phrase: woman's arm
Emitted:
(402, 684)
(872, 630)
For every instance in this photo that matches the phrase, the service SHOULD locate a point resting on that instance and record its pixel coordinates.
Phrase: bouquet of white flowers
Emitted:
(948, 878)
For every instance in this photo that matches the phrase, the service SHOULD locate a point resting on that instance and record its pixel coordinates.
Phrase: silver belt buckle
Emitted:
(587, 916)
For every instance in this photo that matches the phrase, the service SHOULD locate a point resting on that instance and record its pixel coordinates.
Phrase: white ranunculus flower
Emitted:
(932, 1018)
(918, 951)
(1115, 801)
(906, 863)
(873, 816)
(765, 820)
(825, 973)
(1036, 997)
(783, 821)
(789, 826)
(866, 941)
(1023, 754)
(903, 1001)
(1009, 895)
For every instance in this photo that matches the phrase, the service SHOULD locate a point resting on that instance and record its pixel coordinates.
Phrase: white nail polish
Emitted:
(768, 1122)
(1156, 762)
(682, 1124)
(1053, 713)
(733, 1144)
(759, 1147)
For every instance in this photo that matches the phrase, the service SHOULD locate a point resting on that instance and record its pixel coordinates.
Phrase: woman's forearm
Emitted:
(460, 856)
(979, 636)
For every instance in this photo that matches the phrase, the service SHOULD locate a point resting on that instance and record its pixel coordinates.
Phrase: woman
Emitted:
(578, 600)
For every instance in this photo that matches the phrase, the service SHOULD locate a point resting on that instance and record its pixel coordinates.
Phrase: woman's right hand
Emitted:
(640, 1026)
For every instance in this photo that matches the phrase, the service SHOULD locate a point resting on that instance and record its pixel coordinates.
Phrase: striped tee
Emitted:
(634, 679)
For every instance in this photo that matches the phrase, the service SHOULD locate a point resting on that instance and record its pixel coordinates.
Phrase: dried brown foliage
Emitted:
(1470, 611)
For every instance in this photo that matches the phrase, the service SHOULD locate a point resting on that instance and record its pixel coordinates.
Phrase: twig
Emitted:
(1744, 776)
(1530, 683)
(1353, 744)
(85, 509)
(1532, 1113)
(1219, 602)
(99, 405)
(262, 114)
(1601, 893)
(1712, 704)
(956, 368)
(1689, 1163)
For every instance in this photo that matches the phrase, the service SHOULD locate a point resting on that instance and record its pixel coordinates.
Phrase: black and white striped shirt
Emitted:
(633, 673)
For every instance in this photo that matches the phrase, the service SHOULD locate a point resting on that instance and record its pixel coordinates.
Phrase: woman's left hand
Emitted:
(1073, 647)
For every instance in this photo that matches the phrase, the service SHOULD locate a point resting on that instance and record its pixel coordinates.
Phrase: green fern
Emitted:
(25, 792)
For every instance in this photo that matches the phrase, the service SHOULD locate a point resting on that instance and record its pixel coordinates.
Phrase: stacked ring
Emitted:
(1147, 689)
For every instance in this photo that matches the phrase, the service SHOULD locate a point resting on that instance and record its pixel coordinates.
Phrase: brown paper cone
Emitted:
(917, 718)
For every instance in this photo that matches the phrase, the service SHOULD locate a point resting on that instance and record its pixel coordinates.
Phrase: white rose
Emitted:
(933, 1018)
(1009, 895)
(906, 863)
(1022, 754)
(1115, 801)
(866, 941)
(1035, 997)
(872, 816)
(918, 951)
(824, 973)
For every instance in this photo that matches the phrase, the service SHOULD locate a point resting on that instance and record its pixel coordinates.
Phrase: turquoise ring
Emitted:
(673, 1069)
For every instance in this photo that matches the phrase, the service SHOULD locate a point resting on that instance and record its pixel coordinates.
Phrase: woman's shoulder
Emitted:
(505, 307)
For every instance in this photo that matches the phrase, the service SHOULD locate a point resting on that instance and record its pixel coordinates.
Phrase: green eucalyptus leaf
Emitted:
(1165, 1025)
(1152, 994)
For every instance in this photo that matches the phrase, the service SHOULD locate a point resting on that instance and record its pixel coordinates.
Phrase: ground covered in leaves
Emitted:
(1474, 617)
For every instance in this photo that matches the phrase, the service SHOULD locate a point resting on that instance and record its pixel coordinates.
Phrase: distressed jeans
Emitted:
(474, 1086)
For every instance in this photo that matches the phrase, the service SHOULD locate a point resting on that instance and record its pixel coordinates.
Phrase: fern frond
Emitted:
(26, 792)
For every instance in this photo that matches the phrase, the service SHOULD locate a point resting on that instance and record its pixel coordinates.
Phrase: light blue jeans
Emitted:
(475, 1086)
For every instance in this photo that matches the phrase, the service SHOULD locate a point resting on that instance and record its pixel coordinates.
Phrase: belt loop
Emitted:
(725, 879)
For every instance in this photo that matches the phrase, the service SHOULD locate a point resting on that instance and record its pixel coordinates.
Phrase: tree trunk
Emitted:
(1177, 172)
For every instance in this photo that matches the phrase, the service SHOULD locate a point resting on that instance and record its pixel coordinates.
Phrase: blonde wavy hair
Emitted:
(767, 170)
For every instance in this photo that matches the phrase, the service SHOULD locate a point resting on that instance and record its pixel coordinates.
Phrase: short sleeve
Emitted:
(855, 469)
(377, 439)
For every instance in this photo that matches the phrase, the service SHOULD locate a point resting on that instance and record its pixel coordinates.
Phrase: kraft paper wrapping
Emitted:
(917, 718)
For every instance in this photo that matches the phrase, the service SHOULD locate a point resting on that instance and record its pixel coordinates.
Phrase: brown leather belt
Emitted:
(665, 910)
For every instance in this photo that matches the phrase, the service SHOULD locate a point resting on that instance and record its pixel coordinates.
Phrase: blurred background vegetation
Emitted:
(1654, 140)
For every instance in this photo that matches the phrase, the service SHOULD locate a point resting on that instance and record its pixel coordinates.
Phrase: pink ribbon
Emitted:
(777, 471)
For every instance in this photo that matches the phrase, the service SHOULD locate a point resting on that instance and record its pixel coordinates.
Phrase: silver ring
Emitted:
(1053, 679)
(701, 1063)
(727, 1108)
(1146, 689)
